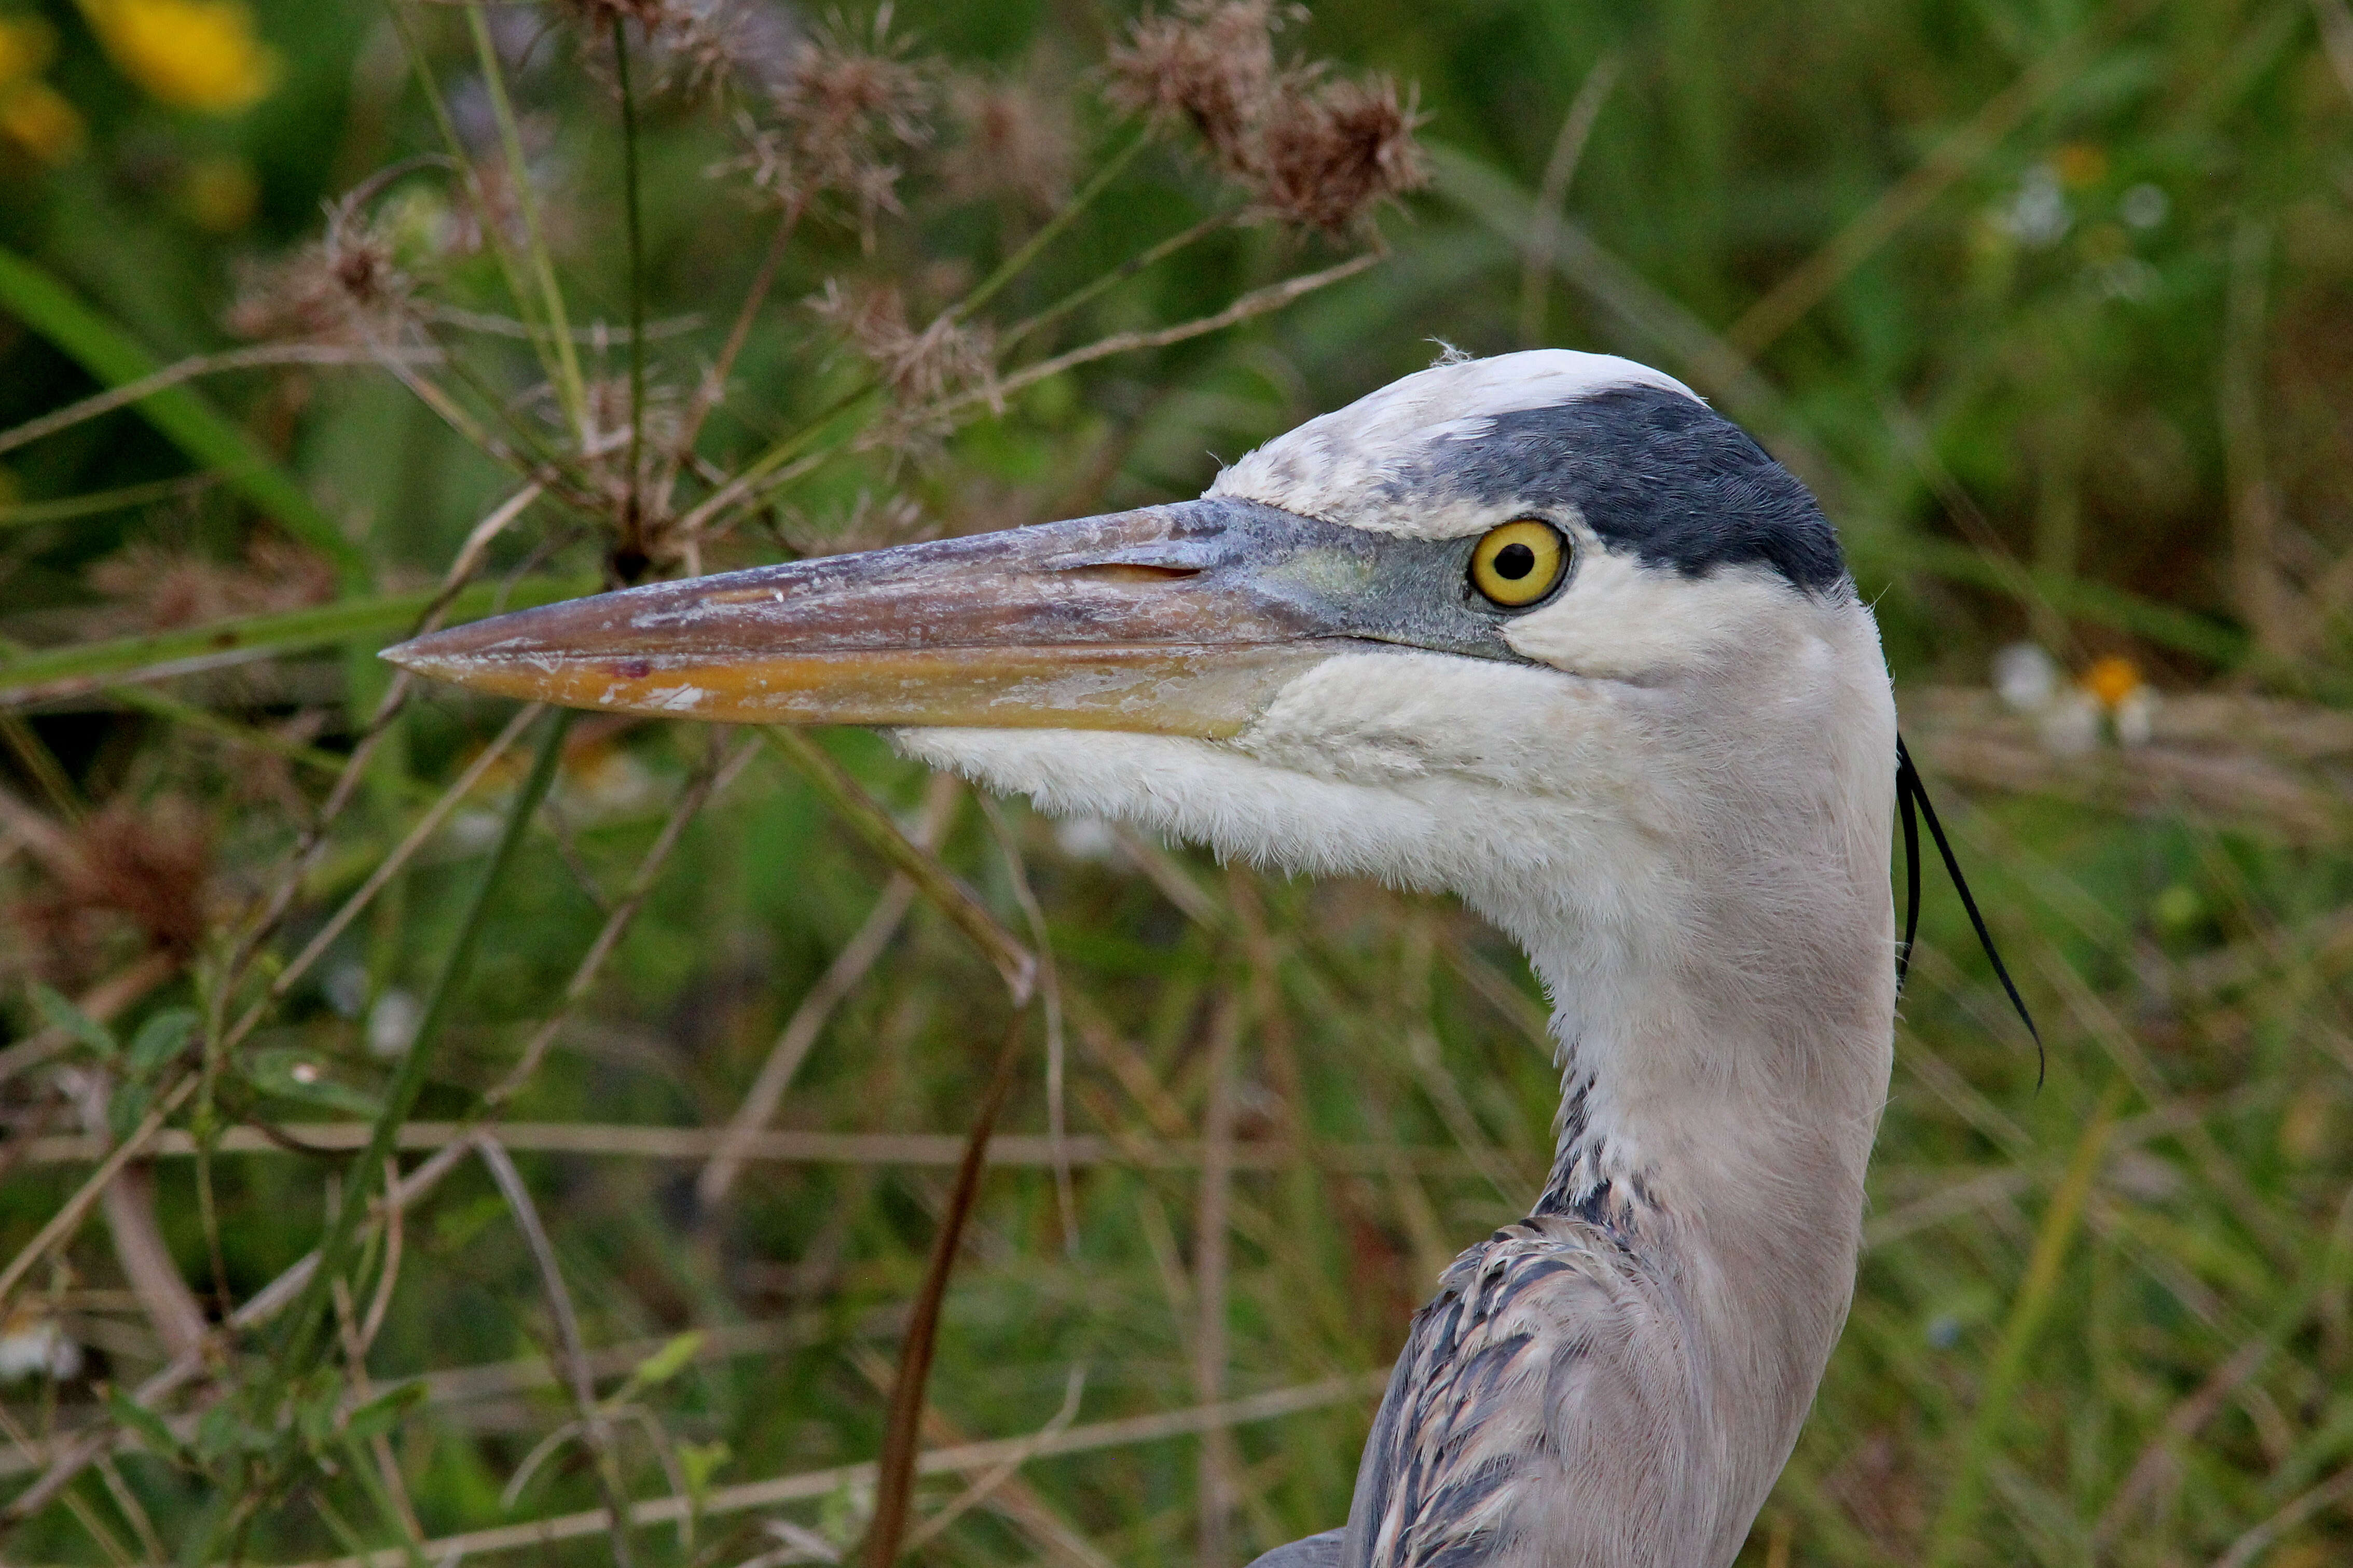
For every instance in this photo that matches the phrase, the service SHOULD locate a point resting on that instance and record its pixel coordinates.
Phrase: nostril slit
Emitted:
(1131, 572)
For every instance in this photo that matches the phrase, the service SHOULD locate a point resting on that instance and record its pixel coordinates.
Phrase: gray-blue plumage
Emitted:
(1647, 468)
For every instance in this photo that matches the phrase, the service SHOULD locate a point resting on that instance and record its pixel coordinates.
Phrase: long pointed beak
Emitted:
(1177, 620)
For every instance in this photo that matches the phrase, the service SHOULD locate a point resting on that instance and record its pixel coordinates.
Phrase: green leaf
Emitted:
(301, 1075)
(383, 1413)
(455, 1225)
(264, 636)
(184, 417)
(667, 1361)
(60, 1014)
(135, 1417)
(317, 1399)
(223, 1431)
(159, 1039)
(126, 1106)
(700, 1461)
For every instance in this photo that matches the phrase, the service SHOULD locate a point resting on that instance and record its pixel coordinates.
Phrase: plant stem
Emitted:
(1013, 265)
(1119, 274)
(632, 551)
(303, 1335)
(2031, 1304)
(569, 387)
(895, 1468)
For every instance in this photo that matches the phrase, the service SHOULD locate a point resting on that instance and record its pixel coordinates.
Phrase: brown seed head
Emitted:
(154, 588)
(1315, 150)
(346, 286)
(1335, 149)
(916, 366)
(1211, 63)
(1017, 143)
(144, 866)
(839, 114)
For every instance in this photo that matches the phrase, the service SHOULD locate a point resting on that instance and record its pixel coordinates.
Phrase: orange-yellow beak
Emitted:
(1174, 620)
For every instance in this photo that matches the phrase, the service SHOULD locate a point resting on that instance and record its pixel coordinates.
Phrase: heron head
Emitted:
(1526, 627)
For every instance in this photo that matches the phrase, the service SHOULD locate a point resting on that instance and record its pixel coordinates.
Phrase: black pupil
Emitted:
(1514, 561)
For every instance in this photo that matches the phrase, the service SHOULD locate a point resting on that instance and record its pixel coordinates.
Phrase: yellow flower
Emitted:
(33, 114)
(2112, 680)
(26, 47)
(36, 117)
(190, 54)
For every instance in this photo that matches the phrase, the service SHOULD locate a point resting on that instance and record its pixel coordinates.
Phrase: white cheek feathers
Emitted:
(1620, 619)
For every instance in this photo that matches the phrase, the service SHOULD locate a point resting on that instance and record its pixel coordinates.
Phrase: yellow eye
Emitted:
(1519, 563)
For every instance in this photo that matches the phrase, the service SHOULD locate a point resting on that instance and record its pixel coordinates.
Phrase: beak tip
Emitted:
(438, 656)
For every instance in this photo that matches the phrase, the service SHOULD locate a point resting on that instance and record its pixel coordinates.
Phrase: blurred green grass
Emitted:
(2090, 390)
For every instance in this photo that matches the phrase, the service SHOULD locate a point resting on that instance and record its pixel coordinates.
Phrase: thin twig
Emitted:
(67, 1219)
(697, 794)
(390, 865)
(808, 1020)
(653, 1141)
(1016, 965)
(1568, 152)
(1211, 1228)
(570, 389)
(593, 1429)
(895, 1469)
(171, 375)
(1126, 1433)
(1149, 256)
(981, 1490)
(1257, 302)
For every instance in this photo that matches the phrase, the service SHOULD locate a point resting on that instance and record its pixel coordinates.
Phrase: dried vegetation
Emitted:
(431, 1129)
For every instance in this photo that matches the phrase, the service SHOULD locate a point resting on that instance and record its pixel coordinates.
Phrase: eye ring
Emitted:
(1519, 563)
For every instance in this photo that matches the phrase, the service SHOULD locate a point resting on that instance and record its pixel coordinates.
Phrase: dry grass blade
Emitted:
(842, 977)
(1212, 1223)
(1100, 1434)
(895, 1469)
(699, 794)
(590, 1420)
(390, 865)
(1568, 149)
(1014, 963)
(1050, 996)
(989, 1485)
(1257, 302)
(139, 1245)
(1805, 287)
(67, 1219)
(2336, 19)
(146, 386)
(2250, 1546)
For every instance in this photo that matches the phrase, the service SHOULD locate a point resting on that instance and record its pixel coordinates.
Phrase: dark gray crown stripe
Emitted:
(1649, 470)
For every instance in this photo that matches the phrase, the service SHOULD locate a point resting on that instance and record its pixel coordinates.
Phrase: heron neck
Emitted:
(1716, 1126)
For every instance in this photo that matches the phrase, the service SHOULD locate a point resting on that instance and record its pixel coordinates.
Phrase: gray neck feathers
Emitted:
(1721, 1089)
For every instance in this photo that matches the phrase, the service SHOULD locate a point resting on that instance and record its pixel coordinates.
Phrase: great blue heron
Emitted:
(1541, 631)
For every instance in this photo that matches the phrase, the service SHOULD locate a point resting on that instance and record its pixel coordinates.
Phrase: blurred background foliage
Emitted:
(2052, 304)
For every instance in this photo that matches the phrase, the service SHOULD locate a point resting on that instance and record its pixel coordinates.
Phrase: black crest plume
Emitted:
(1912, 802)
